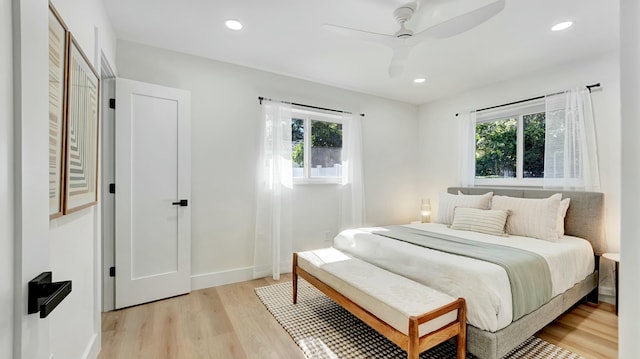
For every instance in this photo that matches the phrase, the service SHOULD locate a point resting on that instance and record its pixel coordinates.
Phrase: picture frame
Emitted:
(58, 58)
(82, 121)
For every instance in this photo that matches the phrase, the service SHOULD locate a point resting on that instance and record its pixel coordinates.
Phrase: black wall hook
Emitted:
(45, 295)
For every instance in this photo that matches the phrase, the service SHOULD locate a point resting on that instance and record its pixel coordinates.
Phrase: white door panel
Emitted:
(154, 220)
(153, 251)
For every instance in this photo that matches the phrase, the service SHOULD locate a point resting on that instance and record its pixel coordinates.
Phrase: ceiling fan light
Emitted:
(419, 80)
(233, 24)
(562, 26)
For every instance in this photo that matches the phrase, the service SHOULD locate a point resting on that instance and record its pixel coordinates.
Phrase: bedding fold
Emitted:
(525, 269)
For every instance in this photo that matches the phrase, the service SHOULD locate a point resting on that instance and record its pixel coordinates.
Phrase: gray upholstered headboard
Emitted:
(585, 217)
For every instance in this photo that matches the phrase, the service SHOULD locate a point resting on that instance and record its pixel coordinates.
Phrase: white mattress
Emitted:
(485, 286)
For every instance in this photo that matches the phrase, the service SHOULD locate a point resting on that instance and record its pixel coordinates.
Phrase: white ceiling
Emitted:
(286, 37)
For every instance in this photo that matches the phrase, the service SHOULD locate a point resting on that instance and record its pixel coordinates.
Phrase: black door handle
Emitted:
(181, 203)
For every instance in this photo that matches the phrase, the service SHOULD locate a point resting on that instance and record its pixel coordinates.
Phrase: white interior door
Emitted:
(153, 230)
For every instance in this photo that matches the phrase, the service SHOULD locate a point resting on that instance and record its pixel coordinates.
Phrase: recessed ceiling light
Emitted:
(562, 26)
(419, 80)
(233, 24)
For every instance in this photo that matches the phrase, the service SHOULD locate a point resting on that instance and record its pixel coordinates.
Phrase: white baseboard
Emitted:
(611, 299)
(607, 290)
(214, 279)
(93, 348)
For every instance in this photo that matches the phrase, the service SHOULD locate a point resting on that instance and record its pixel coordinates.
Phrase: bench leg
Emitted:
(413, 351)
(462, 345)
(294, 278)
(462, 336)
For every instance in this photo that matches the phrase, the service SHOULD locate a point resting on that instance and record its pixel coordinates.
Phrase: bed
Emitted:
(494, 328)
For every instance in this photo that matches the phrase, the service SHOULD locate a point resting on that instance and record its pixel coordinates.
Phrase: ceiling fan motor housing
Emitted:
(402, 15)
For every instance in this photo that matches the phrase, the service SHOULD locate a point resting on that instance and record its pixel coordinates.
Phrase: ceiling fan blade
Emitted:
(382, 39)
(399, 60)
(460, 24)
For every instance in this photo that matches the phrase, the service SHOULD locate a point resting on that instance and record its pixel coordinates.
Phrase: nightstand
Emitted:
(616, 258)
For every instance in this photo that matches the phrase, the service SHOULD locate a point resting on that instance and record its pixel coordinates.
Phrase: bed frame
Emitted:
(584, 219)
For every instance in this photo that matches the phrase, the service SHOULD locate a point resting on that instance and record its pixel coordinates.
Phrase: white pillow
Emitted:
(448, 202)
(480, 220)
(562, 212)
(530, 217)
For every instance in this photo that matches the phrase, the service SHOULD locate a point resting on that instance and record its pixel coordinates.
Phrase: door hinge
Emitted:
(112, 188)
(112, 103)
(112, 272)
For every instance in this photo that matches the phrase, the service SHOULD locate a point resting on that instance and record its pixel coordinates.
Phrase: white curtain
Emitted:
(571, 156)
(467, 162)
(352, 189)
(273, 242)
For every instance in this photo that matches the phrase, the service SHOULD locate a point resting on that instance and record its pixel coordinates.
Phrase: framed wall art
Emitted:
(81, 151)
(58, 47)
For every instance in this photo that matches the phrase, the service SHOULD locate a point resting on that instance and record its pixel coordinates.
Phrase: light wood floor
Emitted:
(230, 322)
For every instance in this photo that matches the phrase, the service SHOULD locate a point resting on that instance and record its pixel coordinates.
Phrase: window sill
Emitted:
(317, 181)
(509, 182)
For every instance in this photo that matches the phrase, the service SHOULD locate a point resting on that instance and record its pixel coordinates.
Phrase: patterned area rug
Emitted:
(323, 330)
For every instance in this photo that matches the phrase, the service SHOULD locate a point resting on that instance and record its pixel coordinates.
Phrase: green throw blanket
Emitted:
(528, 272)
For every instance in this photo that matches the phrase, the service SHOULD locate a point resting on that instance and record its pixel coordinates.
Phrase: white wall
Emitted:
(6, 182)
(75, 243)
(30, 212)
(73, 328)
(439, 138)
(629, 312)
(225, 118)
(69, 245)
(88, 22)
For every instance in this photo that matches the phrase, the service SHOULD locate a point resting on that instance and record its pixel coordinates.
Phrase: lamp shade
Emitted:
(425, 210)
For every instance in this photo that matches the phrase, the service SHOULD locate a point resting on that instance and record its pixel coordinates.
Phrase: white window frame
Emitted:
(518, 112)
(307, 116)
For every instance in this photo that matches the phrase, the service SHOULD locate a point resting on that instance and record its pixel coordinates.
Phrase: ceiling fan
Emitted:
(403, 41)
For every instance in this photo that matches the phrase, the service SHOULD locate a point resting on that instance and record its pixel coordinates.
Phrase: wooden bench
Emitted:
(413, 316)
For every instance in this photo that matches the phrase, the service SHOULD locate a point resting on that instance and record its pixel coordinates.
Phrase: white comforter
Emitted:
(485, 286)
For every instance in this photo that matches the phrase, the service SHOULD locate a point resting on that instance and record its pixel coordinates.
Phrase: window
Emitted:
(316, 140)
(509, 145)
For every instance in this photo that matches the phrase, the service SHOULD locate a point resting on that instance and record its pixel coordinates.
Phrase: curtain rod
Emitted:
(589, 87)
(260, 98)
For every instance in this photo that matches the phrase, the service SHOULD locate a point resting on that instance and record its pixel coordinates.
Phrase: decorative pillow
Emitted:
(530, 217)
(448, 202)
(480, 220)
(562, 212)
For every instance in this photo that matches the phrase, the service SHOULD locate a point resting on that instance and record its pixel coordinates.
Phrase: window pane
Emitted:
(297, 144)
(533, 164)
(496, 149)
(554, 133)
(326, 149)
